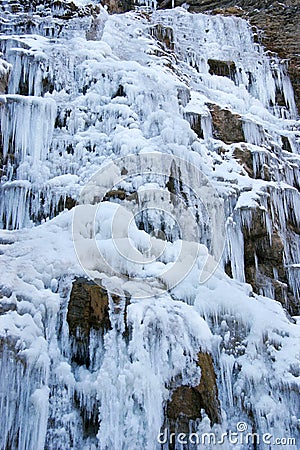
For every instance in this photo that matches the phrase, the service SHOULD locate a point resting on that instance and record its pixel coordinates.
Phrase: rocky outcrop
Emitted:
(244, 156)
(281, 34)
(187, 402)
(87, 310)
(118, 6)
(262, 257)
(194, 120)
(164, 35)
(227, 126)
(222, 68)
(88, 307)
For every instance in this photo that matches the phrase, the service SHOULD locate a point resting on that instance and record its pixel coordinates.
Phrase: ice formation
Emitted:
(82, 95)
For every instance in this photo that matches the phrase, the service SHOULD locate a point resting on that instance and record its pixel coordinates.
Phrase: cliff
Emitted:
(150, 230)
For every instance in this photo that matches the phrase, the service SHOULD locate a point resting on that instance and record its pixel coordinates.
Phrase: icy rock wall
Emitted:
(237, 60)
(275, 26)
(145, 83)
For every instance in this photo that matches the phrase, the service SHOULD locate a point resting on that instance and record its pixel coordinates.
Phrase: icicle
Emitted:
(14, 205)
(27, 125)
(24, 407)
(235, 249)
(254, 134)
(206, 125)
(226, 369)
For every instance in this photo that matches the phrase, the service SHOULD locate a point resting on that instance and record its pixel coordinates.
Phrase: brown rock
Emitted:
(262, 259)
(194, 120)
(227, 126)
(187, 401)
(120, 194)
(118, 6)
(163, 35)
(88, 309)
(115, 194)
(244, 156)
(222, 68)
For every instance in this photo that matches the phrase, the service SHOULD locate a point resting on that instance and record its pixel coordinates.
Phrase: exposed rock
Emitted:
(65, 203)
(244, 156)
(116, 193)
(281, 34)
(187, 401)
(87, 309)
(120, 194)
(226, 125)
(286, 144)
(264, 262)
(163, 35)
(230, 11)
(118, 6)
(120, 92)
(194, 120)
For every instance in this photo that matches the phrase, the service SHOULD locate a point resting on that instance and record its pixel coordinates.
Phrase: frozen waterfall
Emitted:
(150, 232)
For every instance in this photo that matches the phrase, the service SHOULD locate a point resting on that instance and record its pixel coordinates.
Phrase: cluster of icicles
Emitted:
(72, 105)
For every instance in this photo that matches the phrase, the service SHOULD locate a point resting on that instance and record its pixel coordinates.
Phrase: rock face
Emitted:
(88, 307)
(186, 402)
(226, 125)
(277, 24)
(164, 35)
(119, 6)
(87, 310)
(222, 68)
(244, 156)
(261, 256)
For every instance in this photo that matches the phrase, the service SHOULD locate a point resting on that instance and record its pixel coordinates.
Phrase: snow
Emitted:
(107, 123)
